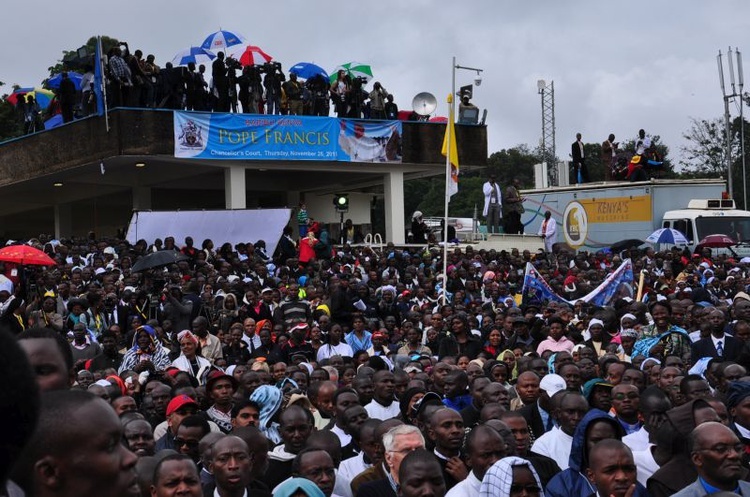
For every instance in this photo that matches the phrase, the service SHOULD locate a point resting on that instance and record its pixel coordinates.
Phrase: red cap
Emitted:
(179, 402)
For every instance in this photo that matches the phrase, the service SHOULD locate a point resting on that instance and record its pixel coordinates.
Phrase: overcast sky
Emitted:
(617, 65)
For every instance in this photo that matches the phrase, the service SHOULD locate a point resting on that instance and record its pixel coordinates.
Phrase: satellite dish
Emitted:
(424, 103)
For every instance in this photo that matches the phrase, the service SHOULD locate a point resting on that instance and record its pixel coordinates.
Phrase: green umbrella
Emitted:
(354, 70)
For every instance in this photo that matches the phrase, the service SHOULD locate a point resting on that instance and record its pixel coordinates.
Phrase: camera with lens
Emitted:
(358, 82)
(233, 63)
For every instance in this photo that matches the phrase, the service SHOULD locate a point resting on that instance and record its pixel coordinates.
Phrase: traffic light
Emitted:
(341, 202)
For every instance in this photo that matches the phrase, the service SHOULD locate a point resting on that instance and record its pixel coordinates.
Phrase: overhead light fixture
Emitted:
(140, 164)
(57, 184)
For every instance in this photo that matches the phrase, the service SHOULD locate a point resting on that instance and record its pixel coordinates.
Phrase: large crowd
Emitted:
(358, 372)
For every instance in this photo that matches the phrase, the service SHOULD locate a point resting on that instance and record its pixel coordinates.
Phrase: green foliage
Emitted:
(10, 127)
(71, 59)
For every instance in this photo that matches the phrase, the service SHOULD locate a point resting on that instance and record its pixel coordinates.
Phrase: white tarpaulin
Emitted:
(233, 226)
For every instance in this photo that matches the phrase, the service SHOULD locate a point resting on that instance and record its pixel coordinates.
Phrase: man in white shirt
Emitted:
(557, 442)
(484, 447)
(383, 405)
(370, 455)
(642, 143)
(653, 407)
(548, 231)
(493, 207)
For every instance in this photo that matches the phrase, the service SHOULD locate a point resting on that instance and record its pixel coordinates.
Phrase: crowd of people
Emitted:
(224, 86)
(362, 373)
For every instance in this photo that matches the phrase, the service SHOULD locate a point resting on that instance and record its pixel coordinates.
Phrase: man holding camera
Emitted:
(272, 83)
(293, 91)
(377, 101)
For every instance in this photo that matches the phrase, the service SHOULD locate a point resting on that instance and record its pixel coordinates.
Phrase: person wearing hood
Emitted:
(190, 360)
(145, 349)
(418, 228)
(679, 472)
(510, 472)
(296, 424)
(269, 398)
(597, 425)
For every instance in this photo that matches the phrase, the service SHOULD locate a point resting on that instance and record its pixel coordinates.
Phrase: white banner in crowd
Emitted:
(233, 226)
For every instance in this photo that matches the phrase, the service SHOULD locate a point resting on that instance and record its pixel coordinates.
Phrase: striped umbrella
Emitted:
(667, 235)
(222, 40)
(198, 55)
(354, 70)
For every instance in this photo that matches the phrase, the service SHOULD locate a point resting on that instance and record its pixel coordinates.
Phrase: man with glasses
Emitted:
(625, 402)
(188, 437)
(397, 442)
(716, 453)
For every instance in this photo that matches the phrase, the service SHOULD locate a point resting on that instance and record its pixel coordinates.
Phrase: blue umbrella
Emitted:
(197, 55)
(54, 121)
(307, 70)
(221, 40)
(76, 78)
(667, 235)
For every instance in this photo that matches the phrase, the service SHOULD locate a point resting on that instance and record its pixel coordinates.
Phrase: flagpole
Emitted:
(448, 180)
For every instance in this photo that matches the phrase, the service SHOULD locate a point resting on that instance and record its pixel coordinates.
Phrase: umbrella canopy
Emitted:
(717, 241)
(252, 56)
(158, 259)
(626, 244)
(43, 97)
(76, 78)
(667, 235)
(26, 255)
(197, 55)
(222, 40)
(354, 70)
(307, 70)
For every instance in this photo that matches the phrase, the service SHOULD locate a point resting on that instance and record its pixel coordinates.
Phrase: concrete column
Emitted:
(394, 208)
(141, 198)
(235, 196)
(63, 220)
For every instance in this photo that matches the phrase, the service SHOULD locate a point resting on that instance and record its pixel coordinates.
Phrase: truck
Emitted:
(596, 215)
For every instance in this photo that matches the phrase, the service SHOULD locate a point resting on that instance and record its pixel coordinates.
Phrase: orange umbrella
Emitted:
(26, 255)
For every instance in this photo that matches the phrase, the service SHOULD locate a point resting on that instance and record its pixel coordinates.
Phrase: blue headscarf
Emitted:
(292, 485)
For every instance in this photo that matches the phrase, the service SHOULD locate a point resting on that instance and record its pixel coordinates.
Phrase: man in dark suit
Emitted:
(718, 344)
(398, 442)
(231, 466)
(579, 160)
(539, 414)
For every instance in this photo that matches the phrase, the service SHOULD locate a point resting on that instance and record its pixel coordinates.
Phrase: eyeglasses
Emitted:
(191, 444)
(723, 450)
(623, 396)
(403, 451)
(517, 489)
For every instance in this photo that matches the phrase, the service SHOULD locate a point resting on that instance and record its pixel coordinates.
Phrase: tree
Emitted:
(704, 155)
(10, 127)
(83, 57)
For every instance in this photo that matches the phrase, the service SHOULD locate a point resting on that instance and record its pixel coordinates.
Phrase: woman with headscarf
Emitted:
(269, 399)
(145, 348)
(190, 360)
(228, 314)
(509, 358)
(594, 337)
(511, 472)
(407, 402)
(418, 228)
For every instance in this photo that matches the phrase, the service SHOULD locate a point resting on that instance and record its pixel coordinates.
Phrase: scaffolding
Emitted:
(549, 156)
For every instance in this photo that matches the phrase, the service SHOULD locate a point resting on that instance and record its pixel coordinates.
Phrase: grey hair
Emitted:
(389, 439)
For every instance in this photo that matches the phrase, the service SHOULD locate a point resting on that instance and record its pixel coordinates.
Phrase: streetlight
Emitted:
(477, 82)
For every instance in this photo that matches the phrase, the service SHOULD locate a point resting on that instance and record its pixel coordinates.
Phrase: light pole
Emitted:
(729, 95)
(452, 114)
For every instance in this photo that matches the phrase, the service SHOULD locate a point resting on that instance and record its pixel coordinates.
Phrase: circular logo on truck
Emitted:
(575, 224)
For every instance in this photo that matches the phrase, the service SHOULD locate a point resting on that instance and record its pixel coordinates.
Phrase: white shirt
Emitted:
(555, 444)
(350, 468)
(467, 488)
(637, 441)
(216, 493)
(377, 410)
(252, 343)
(645, 464)
(722, 341)
(327, 350)
(344, 437)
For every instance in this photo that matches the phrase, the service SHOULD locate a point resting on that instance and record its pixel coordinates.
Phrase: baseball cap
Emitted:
(179, 402)
(429, 398)
(552, 383)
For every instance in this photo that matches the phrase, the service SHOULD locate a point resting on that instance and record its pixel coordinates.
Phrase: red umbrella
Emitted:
(254, 56)
(717, 241)
(26, 255)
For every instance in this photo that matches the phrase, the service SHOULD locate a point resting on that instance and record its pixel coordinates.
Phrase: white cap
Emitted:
(552, 383)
